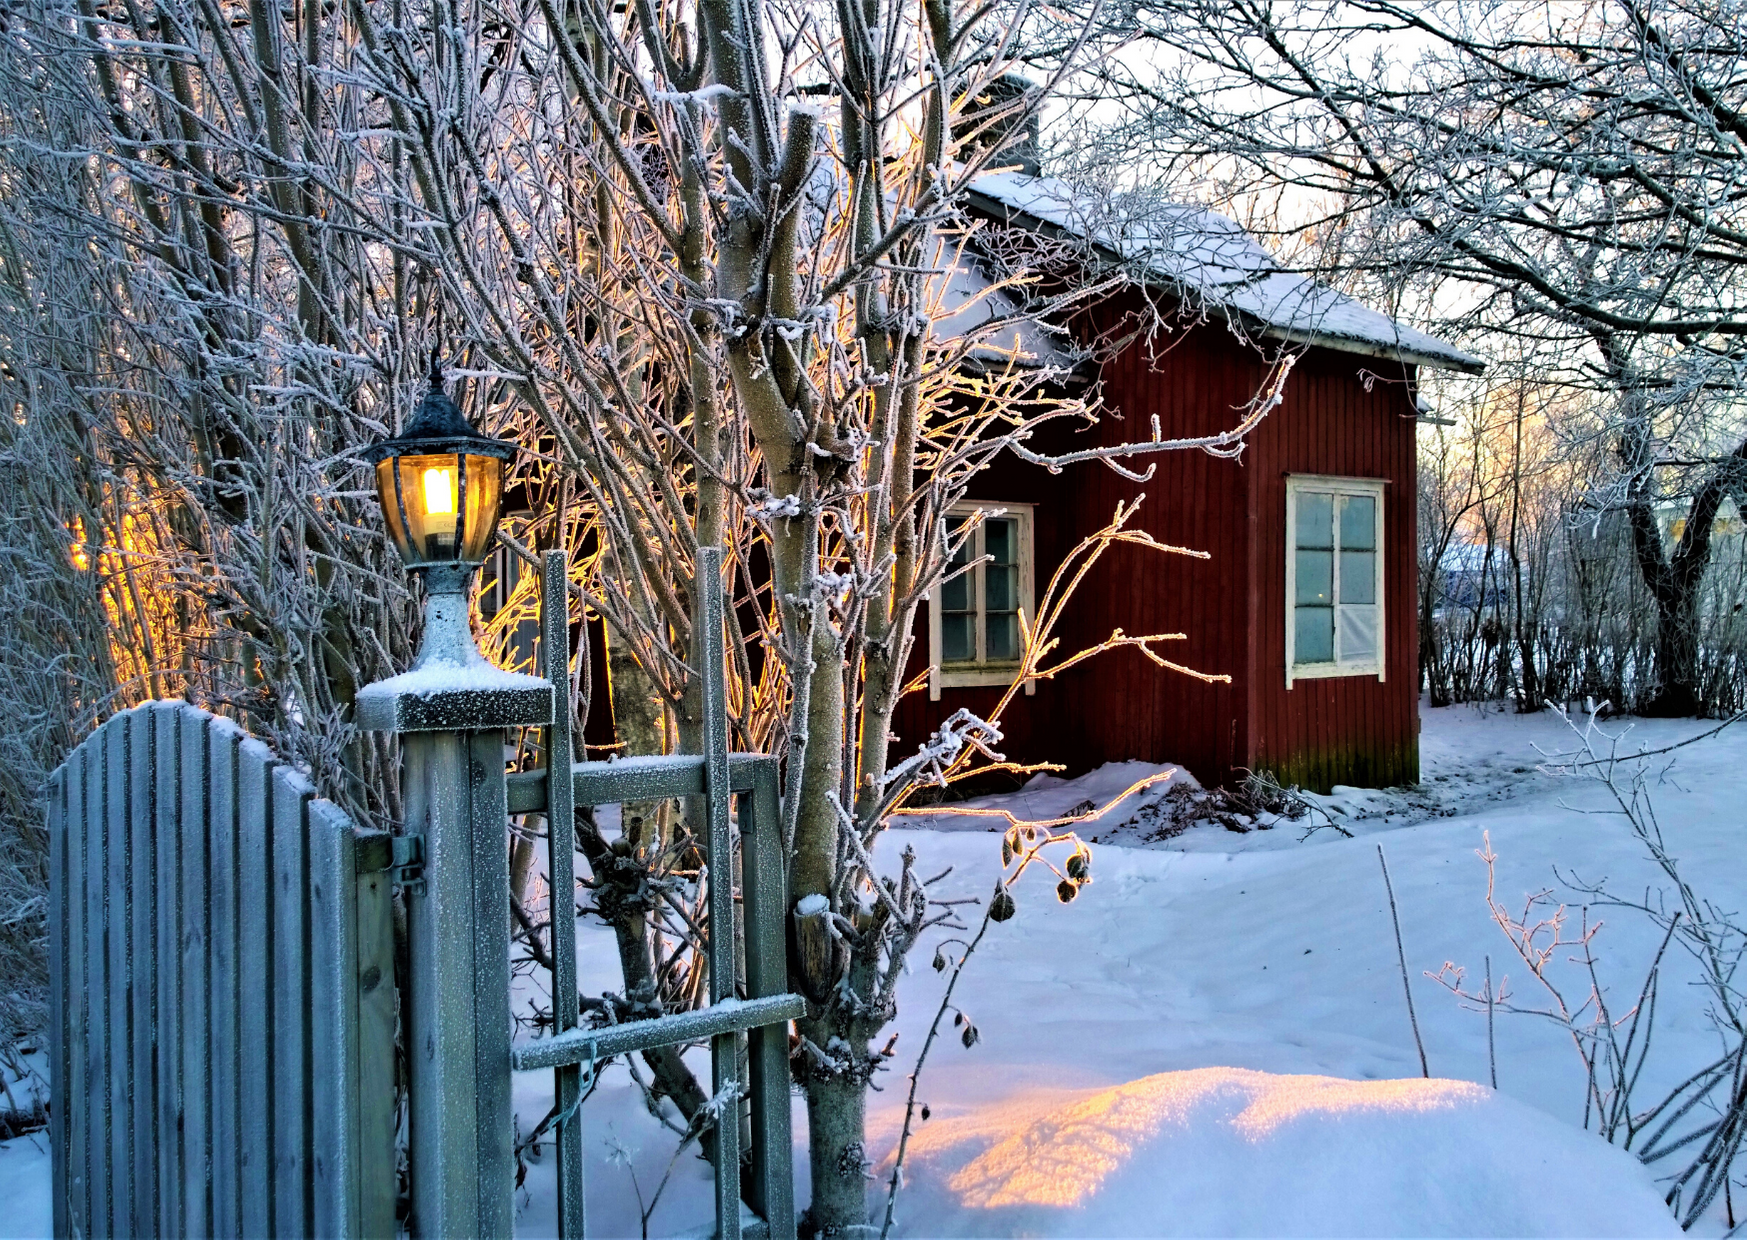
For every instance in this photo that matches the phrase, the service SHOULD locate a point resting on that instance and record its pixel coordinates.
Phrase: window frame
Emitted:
(1377, 488)
(983, 673)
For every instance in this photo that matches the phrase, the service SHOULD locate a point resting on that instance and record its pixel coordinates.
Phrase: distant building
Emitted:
(1468, 578)
(1671, 516)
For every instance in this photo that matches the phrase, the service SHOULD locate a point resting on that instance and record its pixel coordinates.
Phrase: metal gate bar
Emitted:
(764, 1013)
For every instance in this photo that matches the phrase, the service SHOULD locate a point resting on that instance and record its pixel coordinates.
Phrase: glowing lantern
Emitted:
(441, 484)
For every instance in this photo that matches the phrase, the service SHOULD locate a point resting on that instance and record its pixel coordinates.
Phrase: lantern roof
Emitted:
(438, 425)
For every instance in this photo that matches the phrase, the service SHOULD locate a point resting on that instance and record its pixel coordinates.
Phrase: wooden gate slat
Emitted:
(195, 972)
(724, 1047)
(771, 1191)
(373, 926)
(222, 1015)
(225, 739)
(75, 1115)
(142, 978)
(561, 868)
(255, 763)
(119, 930)
(167, 1036)
(96, 1021)
(290, 976)
(333, 1058)
(58, 1065)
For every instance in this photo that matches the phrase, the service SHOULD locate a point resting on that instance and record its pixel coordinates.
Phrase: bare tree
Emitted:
(1561, 176)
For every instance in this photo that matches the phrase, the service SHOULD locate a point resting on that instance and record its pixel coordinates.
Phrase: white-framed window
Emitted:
(973, 617)
(1334, 577)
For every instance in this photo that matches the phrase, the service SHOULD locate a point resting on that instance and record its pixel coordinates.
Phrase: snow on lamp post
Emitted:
(441, 486)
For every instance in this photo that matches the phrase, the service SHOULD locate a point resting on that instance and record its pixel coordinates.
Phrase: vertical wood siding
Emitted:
(1350, 729)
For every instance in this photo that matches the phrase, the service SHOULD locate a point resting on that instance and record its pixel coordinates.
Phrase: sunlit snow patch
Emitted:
(1230, 1151)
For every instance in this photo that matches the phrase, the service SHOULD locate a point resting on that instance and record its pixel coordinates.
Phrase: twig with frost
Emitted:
(1708, 1108)
(1491, 1046)
(1313, 806)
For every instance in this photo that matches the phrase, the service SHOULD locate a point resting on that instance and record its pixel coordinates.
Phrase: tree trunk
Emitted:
(1677, 663)
(837, 1156)
(623, 898)
(637, 721)
(1674, 582)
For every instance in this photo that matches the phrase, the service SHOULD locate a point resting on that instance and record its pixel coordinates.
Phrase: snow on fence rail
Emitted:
(222, 991)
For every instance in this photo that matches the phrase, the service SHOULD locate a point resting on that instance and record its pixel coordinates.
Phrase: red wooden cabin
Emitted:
(1308, 599)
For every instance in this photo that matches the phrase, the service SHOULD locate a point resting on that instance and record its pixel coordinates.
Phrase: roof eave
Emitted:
(1365, 348)
(995, 365)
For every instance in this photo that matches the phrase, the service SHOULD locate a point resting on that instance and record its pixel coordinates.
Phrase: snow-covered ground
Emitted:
(24, 1161)
(1213, 1038)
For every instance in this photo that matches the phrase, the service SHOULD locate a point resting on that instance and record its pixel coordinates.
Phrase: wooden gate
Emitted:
(222, 991)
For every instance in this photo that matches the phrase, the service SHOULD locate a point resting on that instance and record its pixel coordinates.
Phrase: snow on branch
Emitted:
(962, 733)
(704, 96)
(1228, 443)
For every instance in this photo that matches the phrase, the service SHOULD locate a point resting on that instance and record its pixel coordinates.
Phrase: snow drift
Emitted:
(1235, 1152)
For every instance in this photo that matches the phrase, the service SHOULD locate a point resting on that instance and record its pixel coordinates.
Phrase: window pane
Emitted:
(1001, 587)
(1358, 634)
(1358, 577)
(1358, 522)
(1002, 638)
(956, 644)
(955, 595)
(1315, 578)
(1313, 635)
(1001, 574)
(954, 527)
(1315, 519)
(1001, 540)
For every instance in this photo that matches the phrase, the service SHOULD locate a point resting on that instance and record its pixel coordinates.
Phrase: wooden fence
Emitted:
(222, 976)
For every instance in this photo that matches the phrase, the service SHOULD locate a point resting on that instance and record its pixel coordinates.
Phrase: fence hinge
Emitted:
(409, 863)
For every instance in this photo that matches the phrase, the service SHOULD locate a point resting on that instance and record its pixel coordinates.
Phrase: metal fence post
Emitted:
(561, 861)
(451, 719)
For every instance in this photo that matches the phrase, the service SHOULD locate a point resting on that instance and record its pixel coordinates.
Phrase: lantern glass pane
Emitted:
(429, 499)
(483, 502)
(391, 507)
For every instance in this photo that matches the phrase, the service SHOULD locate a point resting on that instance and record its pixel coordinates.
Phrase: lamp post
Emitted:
(441, 486)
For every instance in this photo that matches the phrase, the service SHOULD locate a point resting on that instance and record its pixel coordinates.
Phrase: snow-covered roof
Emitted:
(971, 304)
(1212, 258)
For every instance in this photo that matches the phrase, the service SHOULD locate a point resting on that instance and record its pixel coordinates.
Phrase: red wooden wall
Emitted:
(1230, 606)
(1350, 729)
